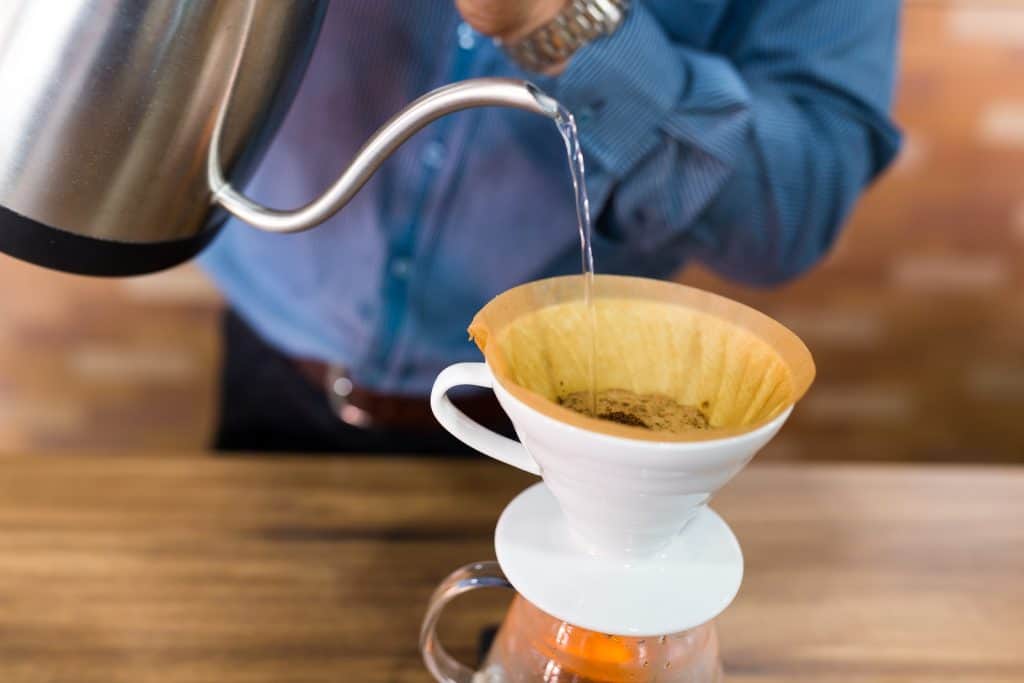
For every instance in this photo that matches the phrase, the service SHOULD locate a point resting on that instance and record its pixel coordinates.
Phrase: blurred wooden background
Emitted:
(916, 320)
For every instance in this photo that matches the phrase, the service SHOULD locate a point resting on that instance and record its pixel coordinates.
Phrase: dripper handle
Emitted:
(469, 431)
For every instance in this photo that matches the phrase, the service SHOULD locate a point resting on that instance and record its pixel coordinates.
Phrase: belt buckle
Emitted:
(339, 387)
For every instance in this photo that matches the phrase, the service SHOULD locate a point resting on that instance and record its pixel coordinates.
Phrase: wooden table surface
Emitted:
(187, 568)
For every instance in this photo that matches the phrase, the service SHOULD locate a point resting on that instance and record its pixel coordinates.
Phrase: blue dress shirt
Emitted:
(735, 132)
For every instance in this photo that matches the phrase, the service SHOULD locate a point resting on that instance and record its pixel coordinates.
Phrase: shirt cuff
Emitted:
(620, 88)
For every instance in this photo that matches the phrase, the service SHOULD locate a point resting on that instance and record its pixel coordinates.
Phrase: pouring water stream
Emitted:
(566, 123)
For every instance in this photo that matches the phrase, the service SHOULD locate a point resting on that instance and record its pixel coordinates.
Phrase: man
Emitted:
(735, 132)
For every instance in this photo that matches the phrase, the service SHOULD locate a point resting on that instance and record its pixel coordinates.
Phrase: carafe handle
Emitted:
(444, 667)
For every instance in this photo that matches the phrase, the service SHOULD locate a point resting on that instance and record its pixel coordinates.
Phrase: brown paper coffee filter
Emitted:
(738, 365)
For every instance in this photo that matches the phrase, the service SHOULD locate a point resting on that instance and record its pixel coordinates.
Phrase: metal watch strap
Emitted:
(581, 22)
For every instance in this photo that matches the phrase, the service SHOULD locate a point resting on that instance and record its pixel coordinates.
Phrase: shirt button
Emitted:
(433, 154)
(467, 36)
(400, 268)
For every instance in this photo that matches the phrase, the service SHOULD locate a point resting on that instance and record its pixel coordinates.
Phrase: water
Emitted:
(567, 127)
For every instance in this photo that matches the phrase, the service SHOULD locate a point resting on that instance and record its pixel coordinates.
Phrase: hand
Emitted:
(508, 20)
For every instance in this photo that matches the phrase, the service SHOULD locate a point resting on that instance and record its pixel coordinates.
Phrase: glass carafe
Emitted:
(532, 646)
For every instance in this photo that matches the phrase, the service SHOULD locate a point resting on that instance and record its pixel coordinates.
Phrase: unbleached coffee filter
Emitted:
(739, 367)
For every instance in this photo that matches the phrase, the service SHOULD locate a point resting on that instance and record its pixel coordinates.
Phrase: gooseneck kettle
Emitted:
(128, 125)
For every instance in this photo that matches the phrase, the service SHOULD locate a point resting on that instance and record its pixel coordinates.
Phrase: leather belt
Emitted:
(368, 409)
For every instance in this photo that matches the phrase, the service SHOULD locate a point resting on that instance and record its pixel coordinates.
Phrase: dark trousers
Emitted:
(266, 404)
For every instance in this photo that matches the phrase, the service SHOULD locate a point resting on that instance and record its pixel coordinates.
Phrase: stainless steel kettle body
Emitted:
(127, 124)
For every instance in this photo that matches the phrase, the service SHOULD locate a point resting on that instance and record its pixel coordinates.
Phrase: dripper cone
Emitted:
(627, 490)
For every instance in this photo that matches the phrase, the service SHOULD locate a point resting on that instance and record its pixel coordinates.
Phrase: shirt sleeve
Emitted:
(748, 158)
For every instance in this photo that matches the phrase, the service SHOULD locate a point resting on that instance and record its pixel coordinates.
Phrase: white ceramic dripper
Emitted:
(621, 497)
(631, 525)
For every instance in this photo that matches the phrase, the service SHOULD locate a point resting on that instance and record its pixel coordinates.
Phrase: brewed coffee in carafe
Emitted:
(532, 646)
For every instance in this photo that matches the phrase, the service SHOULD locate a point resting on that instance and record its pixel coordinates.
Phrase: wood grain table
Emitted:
(196, 568)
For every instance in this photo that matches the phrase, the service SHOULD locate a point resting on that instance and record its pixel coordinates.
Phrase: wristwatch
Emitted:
(581, 22)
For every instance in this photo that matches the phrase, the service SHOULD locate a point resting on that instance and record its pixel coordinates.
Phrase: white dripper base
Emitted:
(687, 584)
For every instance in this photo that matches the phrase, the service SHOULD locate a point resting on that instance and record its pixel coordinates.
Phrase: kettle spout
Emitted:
(545, 104)
(479, 92)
